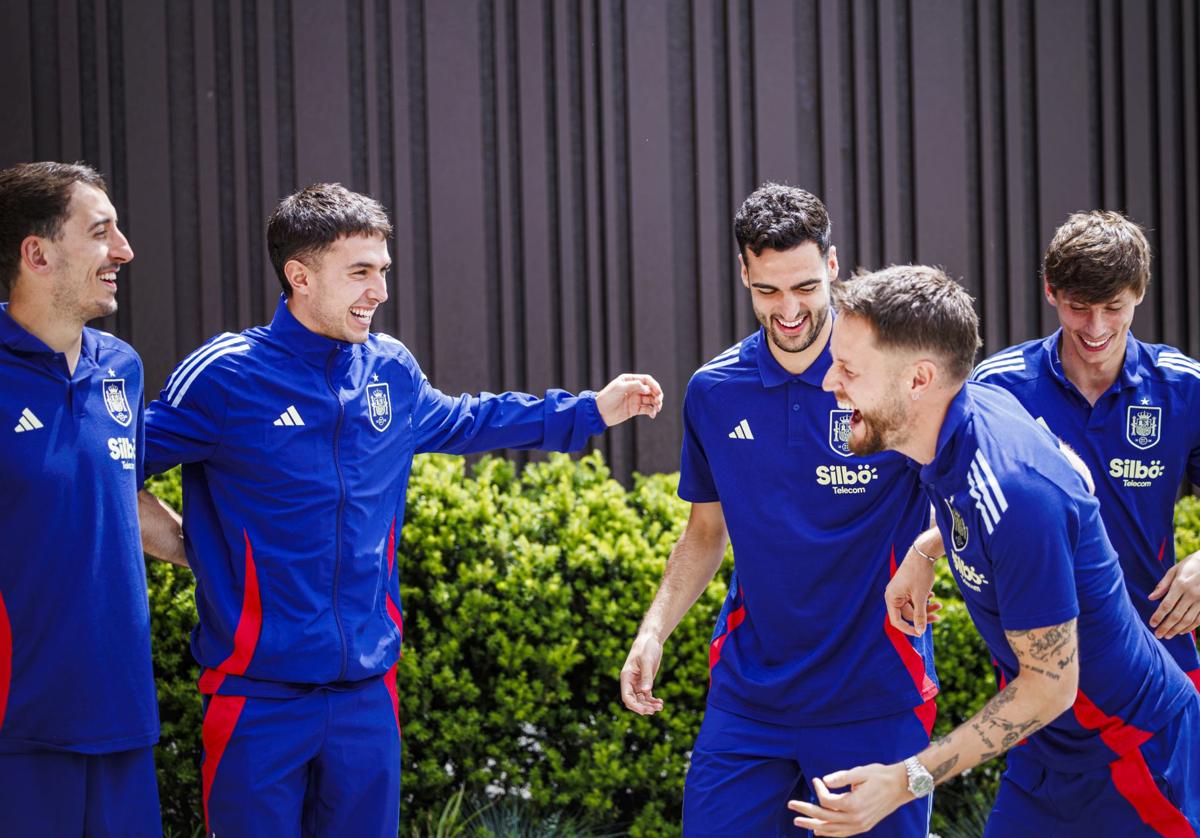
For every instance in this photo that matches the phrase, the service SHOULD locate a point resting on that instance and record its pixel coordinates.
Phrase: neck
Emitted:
(927, 418)
(39, 317)
(797, 362)
(1091, 379)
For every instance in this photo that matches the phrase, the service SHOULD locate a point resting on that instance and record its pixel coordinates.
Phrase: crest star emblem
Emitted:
(374, 376)
(111, 372)
(1145, 401)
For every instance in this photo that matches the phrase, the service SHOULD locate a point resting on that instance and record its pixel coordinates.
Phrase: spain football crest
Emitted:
(379, 406)
(839, 431)
(958, 528)
(1143, 426)
(115, 401)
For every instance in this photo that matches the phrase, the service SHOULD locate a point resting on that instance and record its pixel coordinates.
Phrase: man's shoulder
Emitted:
(732, 364)
(1168, 364)
(382, 345)
(1020, 362)
(219, 358)
(109, 344)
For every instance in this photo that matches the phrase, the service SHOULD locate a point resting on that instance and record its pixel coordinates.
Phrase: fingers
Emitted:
(920, 615)
(1164, 584)
(1182, 619)
(636, 695)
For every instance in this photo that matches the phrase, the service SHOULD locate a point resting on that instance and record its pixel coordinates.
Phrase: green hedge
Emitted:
(522, 592)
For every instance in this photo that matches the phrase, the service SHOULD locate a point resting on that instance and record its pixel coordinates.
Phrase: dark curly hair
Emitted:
(781, 217)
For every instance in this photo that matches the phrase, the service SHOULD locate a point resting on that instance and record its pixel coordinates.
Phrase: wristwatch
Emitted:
(920, 781)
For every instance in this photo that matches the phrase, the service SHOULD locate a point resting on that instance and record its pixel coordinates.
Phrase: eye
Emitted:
(766, 292)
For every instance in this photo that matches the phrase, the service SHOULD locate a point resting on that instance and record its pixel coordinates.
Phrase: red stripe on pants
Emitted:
(217, 730)
(6, 654)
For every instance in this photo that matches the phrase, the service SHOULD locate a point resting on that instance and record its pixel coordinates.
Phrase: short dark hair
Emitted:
(33, 202)
(918, 308)
(781, 217)
(1096, 255)
(306, 224)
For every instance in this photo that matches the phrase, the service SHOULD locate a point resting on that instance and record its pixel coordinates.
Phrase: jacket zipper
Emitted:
(337, 466)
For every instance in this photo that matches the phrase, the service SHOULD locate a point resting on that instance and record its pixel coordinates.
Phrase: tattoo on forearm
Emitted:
(942, 770)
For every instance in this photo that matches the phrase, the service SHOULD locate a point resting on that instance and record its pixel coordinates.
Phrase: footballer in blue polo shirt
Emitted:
(806, 672)
(1108, 719)
(1130, 409)
(78, 713)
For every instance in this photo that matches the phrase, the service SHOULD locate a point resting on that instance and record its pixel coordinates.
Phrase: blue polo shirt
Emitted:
(1139, 440)
(803, 635)
(75, 670)
(1028, 550)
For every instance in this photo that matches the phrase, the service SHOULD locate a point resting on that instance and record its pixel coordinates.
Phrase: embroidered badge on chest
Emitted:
(1143, 426)
(958, 528)
(379, 406)
(839, 431)
(115, 401)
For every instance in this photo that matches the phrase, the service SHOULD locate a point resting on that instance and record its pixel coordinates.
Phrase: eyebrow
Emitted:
(384, 267)
(796, 286)
(101, 222)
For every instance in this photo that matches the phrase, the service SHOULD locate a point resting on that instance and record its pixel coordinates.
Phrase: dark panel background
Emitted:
(562, 173)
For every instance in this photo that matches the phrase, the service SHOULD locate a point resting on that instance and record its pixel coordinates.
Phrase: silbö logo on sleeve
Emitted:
(846, 480)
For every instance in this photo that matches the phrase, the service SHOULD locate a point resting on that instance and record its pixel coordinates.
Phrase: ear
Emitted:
(745, 273)
(297, 276)
(35, 256)
(831, 263)
(1050, 298)
(924, 375)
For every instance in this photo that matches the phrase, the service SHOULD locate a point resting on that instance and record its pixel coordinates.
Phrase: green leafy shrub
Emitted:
(522, 591)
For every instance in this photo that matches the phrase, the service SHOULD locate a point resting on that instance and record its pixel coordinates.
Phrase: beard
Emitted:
(796, 343)
(882, 428)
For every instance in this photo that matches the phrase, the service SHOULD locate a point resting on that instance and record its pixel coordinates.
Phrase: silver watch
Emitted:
(920, 781)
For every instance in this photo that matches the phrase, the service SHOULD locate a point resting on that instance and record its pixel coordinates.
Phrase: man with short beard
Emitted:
(1108, 720)
(806, 672)
(78, 714)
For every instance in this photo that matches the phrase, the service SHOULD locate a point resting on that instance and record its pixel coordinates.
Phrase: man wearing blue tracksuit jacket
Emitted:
(296, 440)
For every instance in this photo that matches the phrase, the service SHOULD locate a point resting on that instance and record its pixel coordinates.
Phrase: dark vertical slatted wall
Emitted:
(562, 173)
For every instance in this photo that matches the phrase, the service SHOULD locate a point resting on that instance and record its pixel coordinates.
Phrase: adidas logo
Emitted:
(27, 422)
(741, 431)
(289, 417)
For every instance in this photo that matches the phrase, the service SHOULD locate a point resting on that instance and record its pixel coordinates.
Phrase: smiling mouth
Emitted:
(109, 278)
(1095, 345)
(363, 315)
(791, 326)
(855, 414)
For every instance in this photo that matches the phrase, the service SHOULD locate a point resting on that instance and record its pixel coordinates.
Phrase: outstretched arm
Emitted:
(694, 561)
(1045, 687)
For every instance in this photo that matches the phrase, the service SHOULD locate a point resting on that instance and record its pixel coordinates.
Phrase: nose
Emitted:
(377, 292)
(119, 250)
(830, 382)
(1095, 322)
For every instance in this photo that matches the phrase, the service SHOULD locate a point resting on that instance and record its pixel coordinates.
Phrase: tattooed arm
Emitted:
(1044, 688)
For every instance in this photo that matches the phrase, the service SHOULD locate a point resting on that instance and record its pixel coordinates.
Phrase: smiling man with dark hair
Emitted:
(78, 716)
(296, 440)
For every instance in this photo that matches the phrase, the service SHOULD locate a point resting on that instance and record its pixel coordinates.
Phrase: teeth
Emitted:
(362, 314)
(790, 324)
(109, 277)
(1095, 344)
(844, 405)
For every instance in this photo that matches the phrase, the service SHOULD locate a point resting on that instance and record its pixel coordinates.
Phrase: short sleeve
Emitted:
(696, 483)
(1032, 553)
